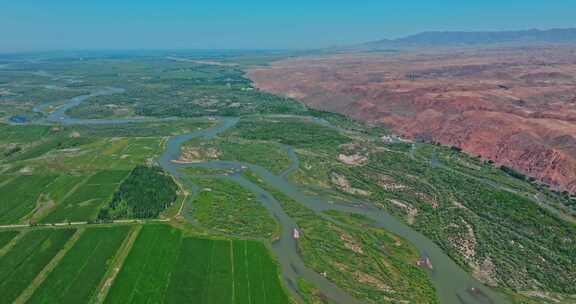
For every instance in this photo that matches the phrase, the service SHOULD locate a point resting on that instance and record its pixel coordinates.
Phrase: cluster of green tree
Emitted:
(513, 173)
(300, 134)
(146, 192)
(505, 229)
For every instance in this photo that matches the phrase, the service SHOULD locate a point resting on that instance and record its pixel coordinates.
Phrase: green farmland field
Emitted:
(84, 203)
(218, 271)
(20, 265)
(22, 134)
(77, 276)
(164, 267)
(6, 237)
(18, 197)
(147, 269)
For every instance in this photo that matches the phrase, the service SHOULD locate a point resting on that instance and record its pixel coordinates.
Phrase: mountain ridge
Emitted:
(475, 38)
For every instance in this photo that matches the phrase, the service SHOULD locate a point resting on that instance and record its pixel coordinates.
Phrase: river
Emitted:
(454, 285)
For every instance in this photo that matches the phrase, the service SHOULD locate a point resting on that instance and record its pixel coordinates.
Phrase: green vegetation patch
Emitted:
(98, 154)
(50, 144)
(144, 128)
(294, 132)
(22, 134)
(6, 237)
(87, 199)
(486, 220)
(19, 196)
(166, 267)
(167, 88)
(270, 155)
(27, 258)
(224, 206)
(221, 272)
(370, 263)
(311, 294)
(147, 270)
(146, 192)
(77, 276)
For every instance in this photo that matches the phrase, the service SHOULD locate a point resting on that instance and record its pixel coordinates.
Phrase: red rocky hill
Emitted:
(515, 106)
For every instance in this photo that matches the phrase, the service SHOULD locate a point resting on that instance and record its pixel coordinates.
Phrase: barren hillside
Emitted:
(515, 106)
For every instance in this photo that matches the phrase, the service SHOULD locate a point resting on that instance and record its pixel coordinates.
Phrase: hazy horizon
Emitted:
(31, 25)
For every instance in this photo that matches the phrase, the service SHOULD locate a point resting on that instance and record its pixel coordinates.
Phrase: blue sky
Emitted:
(130, 24)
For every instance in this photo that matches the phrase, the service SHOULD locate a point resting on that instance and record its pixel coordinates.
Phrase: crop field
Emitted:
(20, 265)
(116, 153)
(84, 203)
(21, 134)
(62, 186)
(48, 145)
(6, 237)
(165, 267)
(146, 272)
(77, 276)
(58, 174)
(59, 153)
(224, 206)
(19, 196)
(225, 272)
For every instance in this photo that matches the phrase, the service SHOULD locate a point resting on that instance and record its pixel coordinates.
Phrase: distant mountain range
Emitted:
(451, 39)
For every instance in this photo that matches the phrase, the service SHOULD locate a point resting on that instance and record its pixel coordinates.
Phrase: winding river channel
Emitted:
(453, 284)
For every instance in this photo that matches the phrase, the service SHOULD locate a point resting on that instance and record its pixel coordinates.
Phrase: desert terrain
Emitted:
(515, 106)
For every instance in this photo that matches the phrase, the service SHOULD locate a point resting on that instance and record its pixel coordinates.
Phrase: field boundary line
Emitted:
(185, 195)
(43, 274)
(116, 265)
(262, 277)
(247, 269)
(233, 273)
(72, 224)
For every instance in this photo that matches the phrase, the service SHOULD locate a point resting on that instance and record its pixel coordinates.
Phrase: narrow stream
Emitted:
(454, 285)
